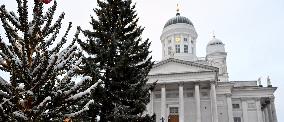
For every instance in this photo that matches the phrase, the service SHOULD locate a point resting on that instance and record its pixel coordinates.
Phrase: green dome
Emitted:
(178, 19)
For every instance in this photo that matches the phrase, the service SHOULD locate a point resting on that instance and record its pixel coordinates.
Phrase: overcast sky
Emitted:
(251, 29)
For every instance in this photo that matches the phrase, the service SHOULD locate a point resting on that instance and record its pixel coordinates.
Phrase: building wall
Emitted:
(222, 108)
(205, 106)
(189, 110)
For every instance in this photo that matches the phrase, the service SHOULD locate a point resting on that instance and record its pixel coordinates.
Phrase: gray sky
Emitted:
(251, 29)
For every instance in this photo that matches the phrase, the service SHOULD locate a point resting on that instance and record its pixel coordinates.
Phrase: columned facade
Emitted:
(202, 101)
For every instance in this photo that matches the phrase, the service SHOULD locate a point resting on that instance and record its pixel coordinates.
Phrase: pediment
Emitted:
(170, 66)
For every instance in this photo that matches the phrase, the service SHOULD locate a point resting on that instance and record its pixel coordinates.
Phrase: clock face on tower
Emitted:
(177, 39)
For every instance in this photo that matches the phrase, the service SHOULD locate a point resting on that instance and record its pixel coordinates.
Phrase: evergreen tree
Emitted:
(118, 52)
(41, 86)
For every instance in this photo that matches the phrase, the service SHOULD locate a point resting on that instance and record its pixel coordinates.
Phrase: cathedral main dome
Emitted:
(178, 19)
(179, 39)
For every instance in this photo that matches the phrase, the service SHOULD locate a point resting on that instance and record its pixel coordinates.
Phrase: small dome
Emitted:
(214, 46)
(178, 19)
(215, 41)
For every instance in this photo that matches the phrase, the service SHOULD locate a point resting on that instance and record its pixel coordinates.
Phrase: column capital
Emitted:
(213, 82)
(181, 83)
(196, 83)
(272, 98)
(163, 85)
(228, 94)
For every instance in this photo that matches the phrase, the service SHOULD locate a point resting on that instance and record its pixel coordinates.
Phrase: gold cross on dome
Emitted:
(177, 8)
(213, 34)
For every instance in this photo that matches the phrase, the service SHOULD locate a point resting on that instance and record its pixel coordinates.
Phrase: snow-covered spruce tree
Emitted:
(122, 57)
(41, 86)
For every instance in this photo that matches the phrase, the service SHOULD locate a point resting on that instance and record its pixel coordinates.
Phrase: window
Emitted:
(185, 49)
(237, 119)
(169, 50)
(185, 39)
(173, 110)
(169, 41)
(191, 41)
(177, 48)
(236, 106)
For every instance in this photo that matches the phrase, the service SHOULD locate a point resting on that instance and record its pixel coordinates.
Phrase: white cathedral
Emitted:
(197, 89)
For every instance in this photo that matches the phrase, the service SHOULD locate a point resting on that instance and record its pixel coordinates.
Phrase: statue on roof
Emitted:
(268, 82)
(259, 82)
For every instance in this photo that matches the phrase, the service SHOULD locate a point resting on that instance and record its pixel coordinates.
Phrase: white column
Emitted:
(274, 116)
(258, 110)
(181, 103)
(245, 109)
(197, 103)
(263, 115)
(266, 114)
(230, 108)
(214, 102)
(269, 111)
(152, 103)
(163, 102)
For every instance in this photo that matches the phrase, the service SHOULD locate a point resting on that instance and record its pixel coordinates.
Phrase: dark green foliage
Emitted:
(122, 59)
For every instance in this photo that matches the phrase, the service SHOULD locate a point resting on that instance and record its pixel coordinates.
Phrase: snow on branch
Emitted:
(57, 24)
(20, 114)
(11, 16)
(9, 54)
(86, 107)
(4, 94)
(4, 101)
(3, 82)
(44, 102)
(5, 85)
(76, 86)
(49, 17)
(86, 92)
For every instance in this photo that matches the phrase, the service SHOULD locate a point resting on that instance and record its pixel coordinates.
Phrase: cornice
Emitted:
(190, 63)
(179, 73)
